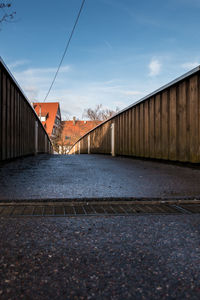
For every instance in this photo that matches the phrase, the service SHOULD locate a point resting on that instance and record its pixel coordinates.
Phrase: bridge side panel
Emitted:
(163, 126)
(17, 120)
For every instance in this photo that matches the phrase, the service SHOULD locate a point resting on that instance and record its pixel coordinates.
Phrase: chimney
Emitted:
(74, 120)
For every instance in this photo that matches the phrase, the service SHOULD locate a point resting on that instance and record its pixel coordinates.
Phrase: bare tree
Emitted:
(99, 113)
(55, 141)
(6, 15)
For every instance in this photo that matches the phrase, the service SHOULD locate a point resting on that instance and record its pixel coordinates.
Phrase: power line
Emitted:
(66, 48)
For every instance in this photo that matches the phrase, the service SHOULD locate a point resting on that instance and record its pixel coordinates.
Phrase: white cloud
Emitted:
(32, 92)
(74, 94)
(190, 65)
(39, 71)
(154, 67)
(18, 63)
(38, 79)
(132, 93)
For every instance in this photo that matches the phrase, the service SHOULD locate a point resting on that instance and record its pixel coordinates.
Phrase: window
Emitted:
(57, 121)
(67, 137)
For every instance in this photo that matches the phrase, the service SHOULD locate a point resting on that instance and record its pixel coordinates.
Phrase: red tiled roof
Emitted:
(72, 132)
(50, 110)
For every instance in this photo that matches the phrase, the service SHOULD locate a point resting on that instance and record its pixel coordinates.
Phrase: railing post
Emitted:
(79, 148)
(89, 144)
(113, 139)
(36, 137)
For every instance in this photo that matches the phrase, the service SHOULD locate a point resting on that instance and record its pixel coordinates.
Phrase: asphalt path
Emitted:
(96, 176)
(135, 257)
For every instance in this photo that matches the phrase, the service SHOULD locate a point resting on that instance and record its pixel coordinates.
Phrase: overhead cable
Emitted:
(66, 48)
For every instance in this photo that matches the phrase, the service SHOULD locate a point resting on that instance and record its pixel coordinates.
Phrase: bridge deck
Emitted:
(109, 257)
(96, 177)
(146, 257)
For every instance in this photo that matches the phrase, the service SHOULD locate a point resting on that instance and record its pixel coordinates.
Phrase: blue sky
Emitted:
(121, 50)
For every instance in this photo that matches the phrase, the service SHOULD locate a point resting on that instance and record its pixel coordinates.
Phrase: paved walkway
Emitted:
(95, 176)
(121, 257)
(137, 257)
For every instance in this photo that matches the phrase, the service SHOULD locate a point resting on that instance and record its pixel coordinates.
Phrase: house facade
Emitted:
(71, 131)
(50, 116)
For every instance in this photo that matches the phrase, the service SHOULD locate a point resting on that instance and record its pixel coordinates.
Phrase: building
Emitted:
(50, 116)
(72, 131)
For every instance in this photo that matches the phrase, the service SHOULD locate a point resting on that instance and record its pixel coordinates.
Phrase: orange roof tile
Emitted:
(48, 110)
(73, 131)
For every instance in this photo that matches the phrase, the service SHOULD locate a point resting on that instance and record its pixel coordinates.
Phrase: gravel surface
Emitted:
(137, 257)
(95, 176)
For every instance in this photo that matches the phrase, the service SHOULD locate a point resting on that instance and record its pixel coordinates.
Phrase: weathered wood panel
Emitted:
(146, 130)
(17, 121)
(172, 124)
(133, 133)
(157, 126)
(152, 129)
(182, 122)
(194, 137)
(165, 125)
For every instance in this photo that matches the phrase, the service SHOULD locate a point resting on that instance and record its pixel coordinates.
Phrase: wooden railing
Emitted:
(163, 125)
(21, 132)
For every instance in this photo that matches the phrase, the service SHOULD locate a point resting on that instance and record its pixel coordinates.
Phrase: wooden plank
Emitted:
(1, 103)
(8, 113)
(137, 130)
(25, 131)
(182, 122)
(157, 127)
(117, 135)
(130, 132)
(199, 117)
(141, 126)
(4, 122)
(194, 136)
(18, 125)
(23, 126)
(28, 132)
(152, 129)
(165, 125)
(105, 138)
(109, 146)
(146, 129)
(121, 134)
(12, 121)
(124, 133)
(172, 124)
(133, 131)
